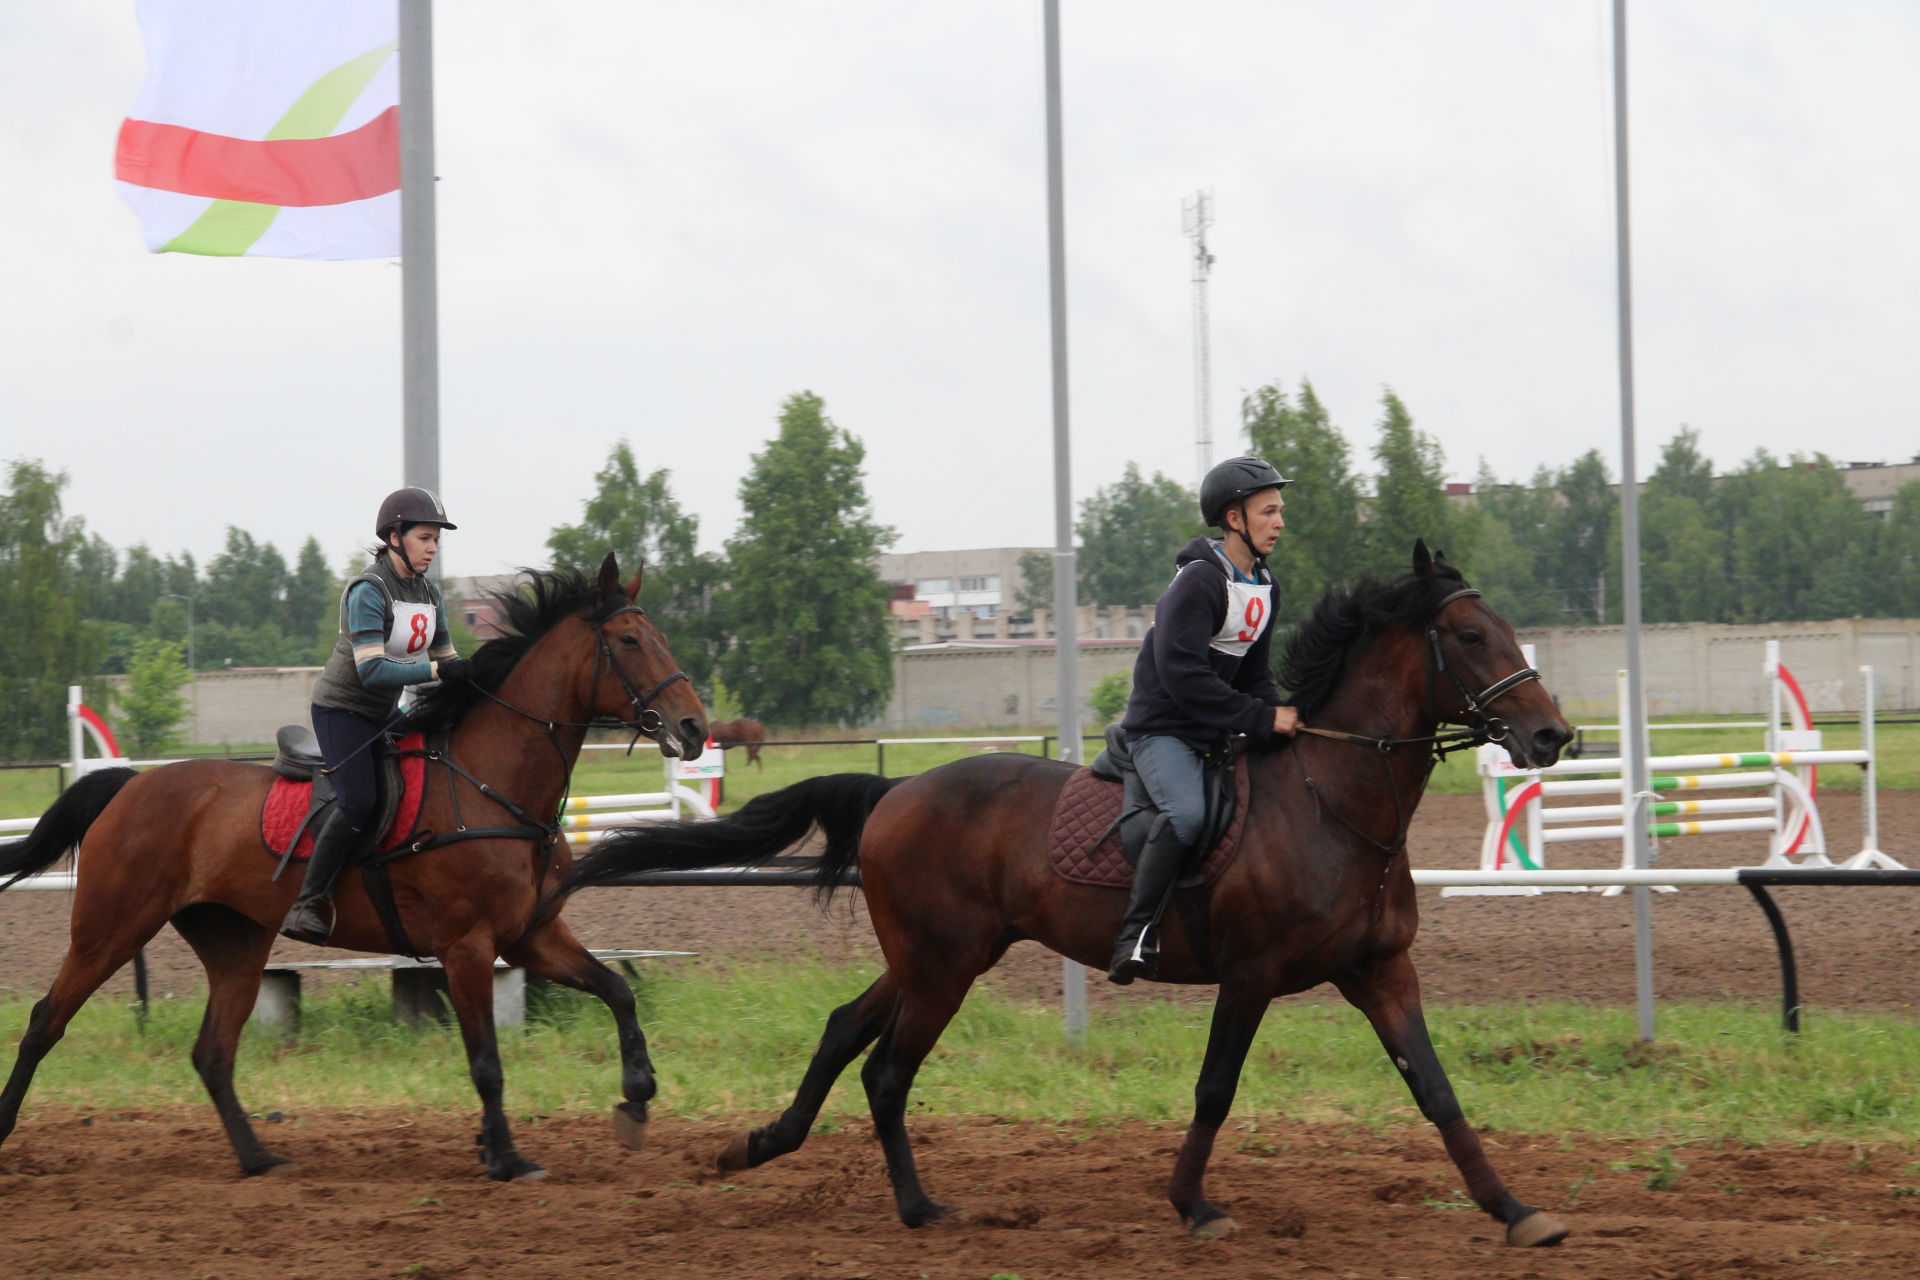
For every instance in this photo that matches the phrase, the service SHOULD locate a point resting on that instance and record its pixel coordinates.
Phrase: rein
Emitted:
(646, 721)
(1484, 729)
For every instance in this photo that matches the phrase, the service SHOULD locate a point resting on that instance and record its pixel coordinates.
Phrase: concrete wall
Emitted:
(243, 706)
(1714, 669)
(961, 687)
(1691, 667)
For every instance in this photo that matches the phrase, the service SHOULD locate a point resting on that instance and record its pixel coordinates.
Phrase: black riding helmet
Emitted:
(411, 505)
(1232, 480)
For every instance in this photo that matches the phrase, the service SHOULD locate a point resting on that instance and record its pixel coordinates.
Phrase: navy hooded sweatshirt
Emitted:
(1185, 688)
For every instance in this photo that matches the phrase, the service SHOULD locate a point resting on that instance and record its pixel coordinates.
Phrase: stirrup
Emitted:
(1142, 962)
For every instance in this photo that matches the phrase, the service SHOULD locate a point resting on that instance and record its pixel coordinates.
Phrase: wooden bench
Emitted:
(418, 988)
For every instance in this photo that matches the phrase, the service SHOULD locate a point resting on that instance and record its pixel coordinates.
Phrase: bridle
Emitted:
(645, 719)
(543, 832)
(1481, 727)
(646, 722)
(1484, 727)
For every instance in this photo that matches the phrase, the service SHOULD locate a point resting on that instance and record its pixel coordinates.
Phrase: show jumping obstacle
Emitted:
(1521, 824)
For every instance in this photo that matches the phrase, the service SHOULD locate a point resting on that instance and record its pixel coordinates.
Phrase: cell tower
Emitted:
(1198, 216)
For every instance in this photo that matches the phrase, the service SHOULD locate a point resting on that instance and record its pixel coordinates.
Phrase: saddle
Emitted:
(296, 804)
(1102, 817)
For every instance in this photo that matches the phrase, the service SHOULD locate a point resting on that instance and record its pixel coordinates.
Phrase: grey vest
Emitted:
(339, 684)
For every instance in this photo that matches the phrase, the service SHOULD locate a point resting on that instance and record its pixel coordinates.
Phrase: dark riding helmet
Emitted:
(411, 505)
(1233, 480)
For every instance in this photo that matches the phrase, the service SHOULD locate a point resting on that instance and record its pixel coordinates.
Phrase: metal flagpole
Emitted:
(1633, 727)
(1066, 643)
(419, 265)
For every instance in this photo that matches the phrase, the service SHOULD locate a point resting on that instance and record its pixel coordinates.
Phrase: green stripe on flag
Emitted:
(231, 227)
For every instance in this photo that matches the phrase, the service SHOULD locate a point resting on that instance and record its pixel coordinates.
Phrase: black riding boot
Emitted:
(1135, 952)
(310, 919)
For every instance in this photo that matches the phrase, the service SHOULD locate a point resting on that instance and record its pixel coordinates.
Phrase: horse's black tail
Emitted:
(766, 826)
(61, 826)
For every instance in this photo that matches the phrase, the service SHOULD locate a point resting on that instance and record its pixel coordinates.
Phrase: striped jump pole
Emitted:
(1521, 823)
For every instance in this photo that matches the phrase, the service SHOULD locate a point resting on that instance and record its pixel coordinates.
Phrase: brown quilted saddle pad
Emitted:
(1085, 812)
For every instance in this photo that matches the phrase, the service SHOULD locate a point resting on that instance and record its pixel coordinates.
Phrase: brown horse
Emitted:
(955, 869)
(182, 843)
(741, 733)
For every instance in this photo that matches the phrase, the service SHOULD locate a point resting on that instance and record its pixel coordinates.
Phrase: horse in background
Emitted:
(741, 733)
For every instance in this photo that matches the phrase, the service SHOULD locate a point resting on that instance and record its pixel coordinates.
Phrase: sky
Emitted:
(659, 218)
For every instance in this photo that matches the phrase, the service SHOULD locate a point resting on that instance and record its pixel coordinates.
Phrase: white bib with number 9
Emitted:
(1249, 606)
(412, 633)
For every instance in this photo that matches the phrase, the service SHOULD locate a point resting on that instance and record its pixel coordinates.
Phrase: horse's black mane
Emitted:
(542, 599)
(1346, 619)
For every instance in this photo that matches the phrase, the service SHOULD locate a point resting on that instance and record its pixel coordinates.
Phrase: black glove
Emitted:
(455, 670)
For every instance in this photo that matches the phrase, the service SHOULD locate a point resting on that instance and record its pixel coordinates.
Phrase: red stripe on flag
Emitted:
(295, 171)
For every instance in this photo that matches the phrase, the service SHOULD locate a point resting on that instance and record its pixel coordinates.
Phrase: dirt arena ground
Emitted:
(153, 1193)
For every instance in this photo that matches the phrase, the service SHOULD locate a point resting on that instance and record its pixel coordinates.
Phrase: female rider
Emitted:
(1202, 675)
(393, 633)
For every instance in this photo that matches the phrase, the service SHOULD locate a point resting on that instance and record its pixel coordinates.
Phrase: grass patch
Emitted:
(736, 1039)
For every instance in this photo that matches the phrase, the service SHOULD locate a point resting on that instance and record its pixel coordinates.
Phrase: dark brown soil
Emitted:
(396, 1194)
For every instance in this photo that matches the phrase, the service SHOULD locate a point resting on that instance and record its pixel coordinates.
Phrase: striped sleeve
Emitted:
(367, 625)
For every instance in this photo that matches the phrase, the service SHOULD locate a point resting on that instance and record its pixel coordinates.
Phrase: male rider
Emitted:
(1203, 675)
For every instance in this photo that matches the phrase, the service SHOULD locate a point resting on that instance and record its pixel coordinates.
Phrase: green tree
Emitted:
(1795, 537)
(1682, 548)
(142, 579)
(1580, 541)
(1410, 497)
(45, 643)
(637, 518)
(313, 596)
(1108, 697)
(245, 588)
(1896, 581)
(1129, 533)
(811, 635)
(150, 706)
(1319, 548)
(1036, 583)
(1502, 532)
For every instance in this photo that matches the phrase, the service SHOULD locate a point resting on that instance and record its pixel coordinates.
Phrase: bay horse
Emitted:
(741, 733)
(182, 844)
(955, 869)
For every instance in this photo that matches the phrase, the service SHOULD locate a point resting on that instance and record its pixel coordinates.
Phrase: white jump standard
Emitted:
(1521, 824)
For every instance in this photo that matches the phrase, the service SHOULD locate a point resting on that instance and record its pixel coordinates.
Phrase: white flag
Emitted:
(267, 128)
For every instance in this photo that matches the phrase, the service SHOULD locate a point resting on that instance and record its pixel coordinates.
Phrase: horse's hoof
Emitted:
(629, 1130)
(735, 1156)
(1214, 1228)
(1537, 1230)
(515, 1168)
(927, 1214)
(272, 1164)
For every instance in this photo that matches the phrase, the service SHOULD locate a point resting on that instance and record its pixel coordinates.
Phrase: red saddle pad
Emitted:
(1087, 808)
(286, 807)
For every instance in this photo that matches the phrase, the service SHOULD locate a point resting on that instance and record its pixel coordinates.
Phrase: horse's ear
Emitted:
(609, 576)
(1422, 562)
(633, 588)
